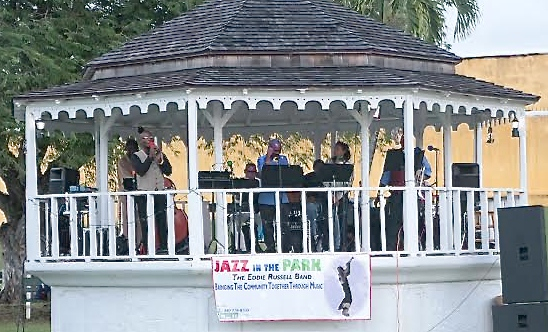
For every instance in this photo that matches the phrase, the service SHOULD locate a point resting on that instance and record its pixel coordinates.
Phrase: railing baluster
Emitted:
(471, 220)
(151, 226)
(428, 220)
(496, 205)
(330, 220)
(449, 221)
(382, 213)
(278, 223)
(73, 222)
(131, 224)
(93, 227)
(224, 216)
(170, 218)
(54, 216)
(457, 221)
(484, 217)
(111, 227)
(511, 199)
(251, 223)
(47, 251)
(358, 223)
(444, 246)
(304, 221)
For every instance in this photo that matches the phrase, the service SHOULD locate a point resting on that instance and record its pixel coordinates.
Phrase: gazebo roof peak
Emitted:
(263, 28)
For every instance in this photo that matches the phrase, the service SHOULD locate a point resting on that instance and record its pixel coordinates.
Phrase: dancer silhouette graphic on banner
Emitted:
(343, 279)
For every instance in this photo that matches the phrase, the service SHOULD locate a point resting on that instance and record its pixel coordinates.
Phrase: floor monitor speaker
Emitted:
(521, 317)
(523, 233)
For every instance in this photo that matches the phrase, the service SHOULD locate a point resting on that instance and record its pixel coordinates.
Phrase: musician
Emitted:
(316, 209)
(151, 164)
(125, 170)
(251, 174)
(394, 176)
(267, 201)
(341, 202)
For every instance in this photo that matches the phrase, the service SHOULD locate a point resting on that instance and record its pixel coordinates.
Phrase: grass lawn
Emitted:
(39, 322)
(30, 326)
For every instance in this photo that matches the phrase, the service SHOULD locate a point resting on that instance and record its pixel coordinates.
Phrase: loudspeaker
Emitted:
(61, 179)
(465, 175)
(523, 253)
(521, 317)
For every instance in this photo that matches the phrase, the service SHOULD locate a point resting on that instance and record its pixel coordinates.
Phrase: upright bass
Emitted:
(180, 218)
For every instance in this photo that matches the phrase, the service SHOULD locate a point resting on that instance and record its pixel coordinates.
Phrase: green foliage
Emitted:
(425, 19)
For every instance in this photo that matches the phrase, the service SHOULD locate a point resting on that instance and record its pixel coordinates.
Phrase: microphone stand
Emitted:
(437, 205)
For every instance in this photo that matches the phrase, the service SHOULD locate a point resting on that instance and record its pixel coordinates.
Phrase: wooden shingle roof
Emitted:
(287, 77)
(273, 27)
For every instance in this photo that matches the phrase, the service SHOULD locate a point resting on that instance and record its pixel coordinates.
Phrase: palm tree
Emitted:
(425, 19)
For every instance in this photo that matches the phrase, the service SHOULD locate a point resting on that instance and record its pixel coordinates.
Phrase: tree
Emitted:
(425, 19)
(46, 43)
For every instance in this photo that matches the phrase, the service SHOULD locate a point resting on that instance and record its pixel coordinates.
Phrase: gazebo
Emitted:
(278, 66)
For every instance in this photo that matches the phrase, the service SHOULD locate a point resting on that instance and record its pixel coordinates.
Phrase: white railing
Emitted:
(450, 221)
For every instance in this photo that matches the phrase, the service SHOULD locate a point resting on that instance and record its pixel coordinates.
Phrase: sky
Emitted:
(506, 27)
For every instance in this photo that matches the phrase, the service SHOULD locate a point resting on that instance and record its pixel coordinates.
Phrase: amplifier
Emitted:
(523, 233)
(61, 179)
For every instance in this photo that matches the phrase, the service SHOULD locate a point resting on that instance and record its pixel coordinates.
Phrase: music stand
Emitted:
(282, 176)
(214, 180)
(336, 172)
(239, 207)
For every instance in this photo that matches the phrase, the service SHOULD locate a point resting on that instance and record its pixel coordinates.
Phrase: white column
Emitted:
(419, 123)
(478, 149)
(410, 215)
(523, 179)
(419, 139)
(218, 138)
(195, 224)
(365, 222)
(448, 179)
(333, 142)
(101, 166)
(447, 154)
(219, 166)
(318, 139)
(32, 221)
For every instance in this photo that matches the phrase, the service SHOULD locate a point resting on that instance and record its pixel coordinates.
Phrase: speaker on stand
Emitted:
(523, 233)
(466, 175)
(60, 181)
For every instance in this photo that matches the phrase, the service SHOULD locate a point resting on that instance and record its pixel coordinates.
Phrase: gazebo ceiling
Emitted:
(259, 27)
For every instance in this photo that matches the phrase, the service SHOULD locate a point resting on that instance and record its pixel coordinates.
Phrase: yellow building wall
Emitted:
(501, 159)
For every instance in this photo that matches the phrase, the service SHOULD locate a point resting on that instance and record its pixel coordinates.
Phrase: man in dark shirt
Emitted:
(150, 166)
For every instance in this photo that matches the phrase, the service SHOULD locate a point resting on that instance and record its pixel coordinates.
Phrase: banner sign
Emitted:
(292, 287)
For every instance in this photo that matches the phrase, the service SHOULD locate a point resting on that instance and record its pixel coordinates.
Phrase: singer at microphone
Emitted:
(151, 165)
(267, 200)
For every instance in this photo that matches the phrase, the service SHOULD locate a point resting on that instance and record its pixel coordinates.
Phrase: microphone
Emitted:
(431, 148)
